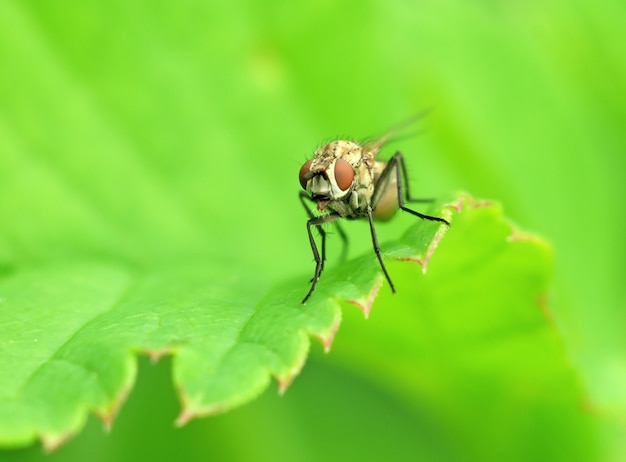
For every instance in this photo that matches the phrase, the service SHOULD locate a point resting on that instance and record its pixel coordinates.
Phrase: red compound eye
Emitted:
(305, 174)
(344, 174)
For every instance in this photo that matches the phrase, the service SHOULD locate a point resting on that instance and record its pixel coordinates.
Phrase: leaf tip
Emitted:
(51, 442)
(108, 414)
(432, 246)
(434, 243)
(191, 411)
(328, 337)
(517, 235)
(458, 204)
(187, 412)
(465, 199)
(285, 381)
(365, 304)
(184, 417)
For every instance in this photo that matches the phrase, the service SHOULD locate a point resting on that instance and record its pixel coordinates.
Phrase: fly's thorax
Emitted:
(340, 149)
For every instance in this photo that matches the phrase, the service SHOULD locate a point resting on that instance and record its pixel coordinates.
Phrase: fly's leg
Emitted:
(397, 163)
(317, 222)
(402, 181)
(405, 182)
(377, 248)
(320, 230)
(342, 235)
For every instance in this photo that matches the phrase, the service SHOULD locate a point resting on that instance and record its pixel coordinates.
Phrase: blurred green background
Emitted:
(148, 130)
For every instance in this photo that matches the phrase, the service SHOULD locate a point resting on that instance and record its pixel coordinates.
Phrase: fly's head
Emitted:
(330, 175)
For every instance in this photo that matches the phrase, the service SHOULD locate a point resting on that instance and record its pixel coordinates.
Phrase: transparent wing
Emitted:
(372, 147)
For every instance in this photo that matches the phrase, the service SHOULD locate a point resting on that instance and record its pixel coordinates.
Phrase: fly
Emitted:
(345, 181)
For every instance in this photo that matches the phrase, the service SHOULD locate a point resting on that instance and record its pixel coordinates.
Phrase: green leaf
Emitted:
(144, 141)
(71, 332)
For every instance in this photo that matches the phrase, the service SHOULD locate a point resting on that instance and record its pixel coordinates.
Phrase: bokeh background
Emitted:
(134, 127)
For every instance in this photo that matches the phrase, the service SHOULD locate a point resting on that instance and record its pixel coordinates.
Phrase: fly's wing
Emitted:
(371, 148)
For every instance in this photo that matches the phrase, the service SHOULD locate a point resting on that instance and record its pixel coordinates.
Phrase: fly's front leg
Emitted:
(320, 230)
(319, 261)
(317, 222)
(303, 196)
(377, 248)
(397, 163)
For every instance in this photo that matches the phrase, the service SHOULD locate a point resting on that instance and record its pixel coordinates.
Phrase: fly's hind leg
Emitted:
(377, 248)
(397, 163)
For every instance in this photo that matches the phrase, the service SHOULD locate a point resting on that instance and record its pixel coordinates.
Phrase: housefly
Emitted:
(344, 180)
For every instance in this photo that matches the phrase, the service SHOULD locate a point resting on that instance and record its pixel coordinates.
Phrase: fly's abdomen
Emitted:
(385, 198)
(388, 203)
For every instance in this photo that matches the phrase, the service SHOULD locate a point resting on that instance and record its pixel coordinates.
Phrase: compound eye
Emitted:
(304, 174)
(344, 174)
